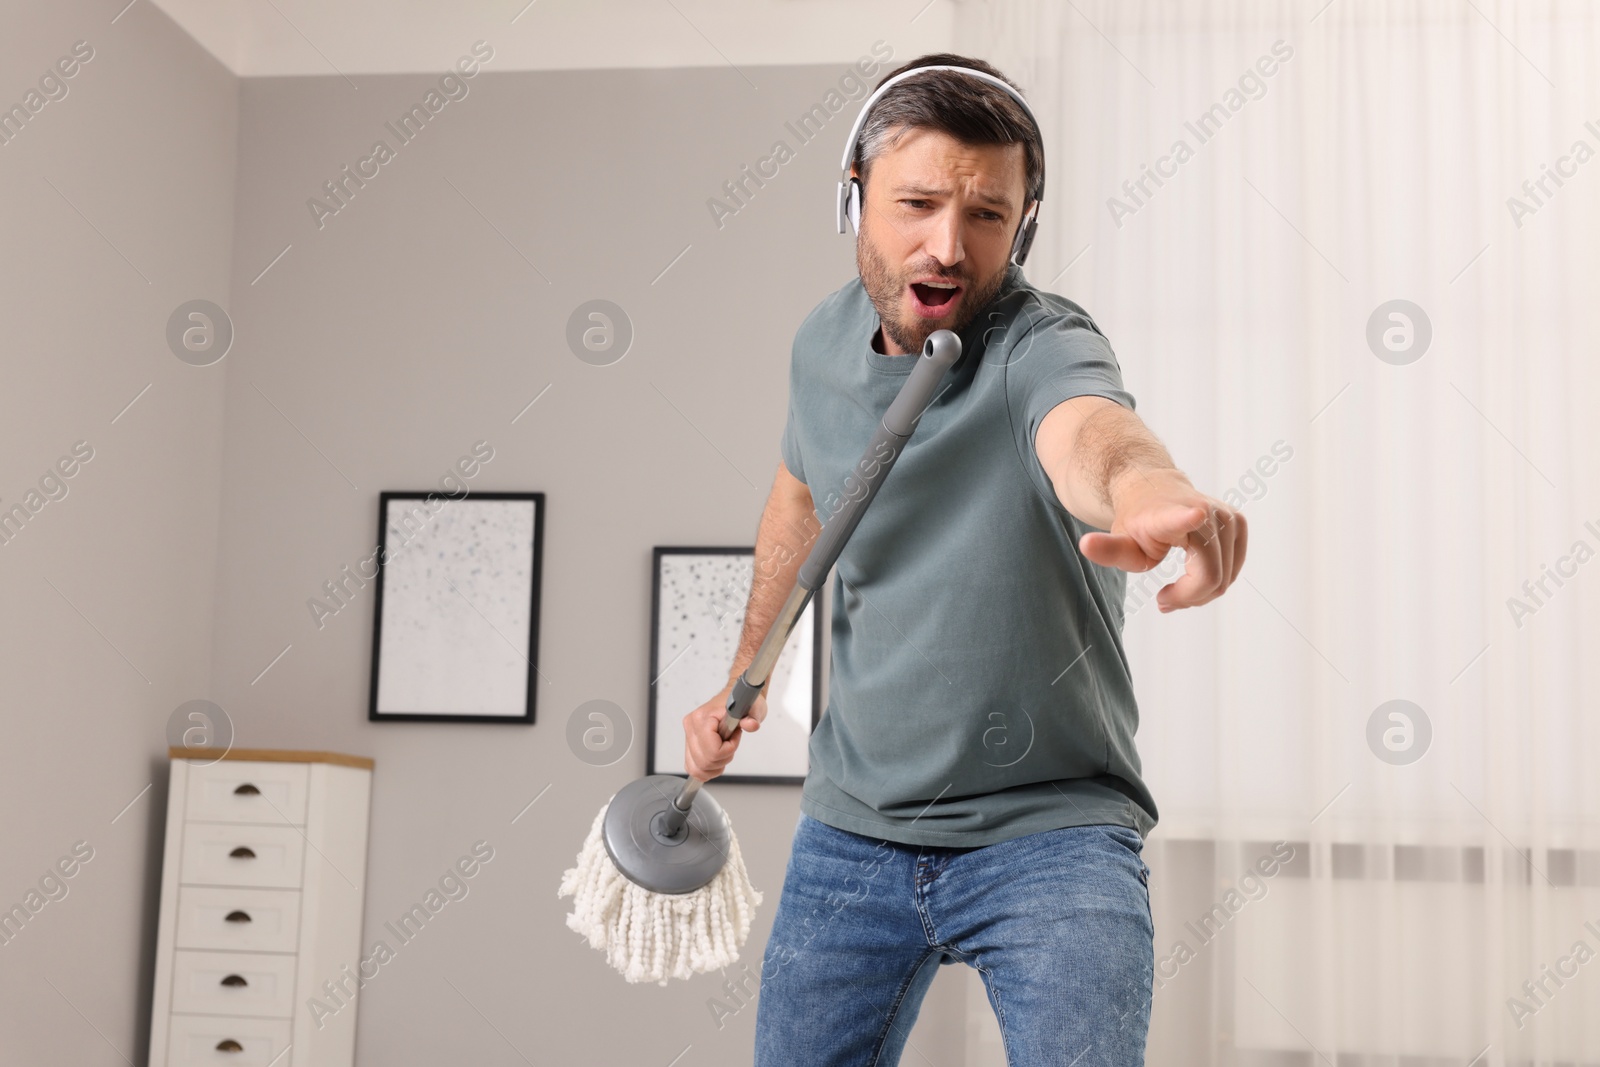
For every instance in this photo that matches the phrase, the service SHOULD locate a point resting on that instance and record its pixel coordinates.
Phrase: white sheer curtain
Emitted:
(1397, 505)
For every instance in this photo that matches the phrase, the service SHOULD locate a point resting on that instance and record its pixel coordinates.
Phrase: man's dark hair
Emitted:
(968, 109)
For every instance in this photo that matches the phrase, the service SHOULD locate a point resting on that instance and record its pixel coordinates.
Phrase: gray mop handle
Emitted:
(941, 349)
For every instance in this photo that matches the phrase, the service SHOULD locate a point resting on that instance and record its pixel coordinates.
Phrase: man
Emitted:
(975, 792)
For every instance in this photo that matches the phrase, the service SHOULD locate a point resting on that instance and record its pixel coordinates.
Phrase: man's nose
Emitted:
(946, 241)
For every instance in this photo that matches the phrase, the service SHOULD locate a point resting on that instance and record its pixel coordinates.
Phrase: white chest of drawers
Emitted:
(261, 902)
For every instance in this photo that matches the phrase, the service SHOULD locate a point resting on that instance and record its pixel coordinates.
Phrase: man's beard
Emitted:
(887, 293)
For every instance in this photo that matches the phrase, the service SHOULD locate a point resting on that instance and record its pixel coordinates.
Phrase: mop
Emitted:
(660, 886)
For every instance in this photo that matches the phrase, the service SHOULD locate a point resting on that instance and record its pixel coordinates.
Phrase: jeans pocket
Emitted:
(1126, 836)
(1129, 838)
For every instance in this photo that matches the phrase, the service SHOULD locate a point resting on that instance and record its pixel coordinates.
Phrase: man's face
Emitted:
(937, 213)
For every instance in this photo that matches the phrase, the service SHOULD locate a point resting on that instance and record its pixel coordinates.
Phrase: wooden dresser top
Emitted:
(271, 755)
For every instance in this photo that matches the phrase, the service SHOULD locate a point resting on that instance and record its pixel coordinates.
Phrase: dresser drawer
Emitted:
(241, 1042)
(263, 856)
(245, 791)
(233, 983)
(244, 920)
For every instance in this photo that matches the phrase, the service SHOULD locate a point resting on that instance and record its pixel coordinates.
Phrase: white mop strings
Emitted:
(650, 937)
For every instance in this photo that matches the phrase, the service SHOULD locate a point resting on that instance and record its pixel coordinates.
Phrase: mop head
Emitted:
(651, 937)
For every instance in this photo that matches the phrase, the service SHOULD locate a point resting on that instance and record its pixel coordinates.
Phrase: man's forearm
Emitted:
(1112, 448)
(788, 530)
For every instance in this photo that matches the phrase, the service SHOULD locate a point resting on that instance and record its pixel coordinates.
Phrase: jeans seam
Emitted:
(920, 901)
(999, 1008)
(894, 1006)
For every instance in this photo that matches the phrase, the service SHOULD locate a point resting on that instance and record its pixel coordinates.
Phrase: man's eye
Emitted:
(915, 203)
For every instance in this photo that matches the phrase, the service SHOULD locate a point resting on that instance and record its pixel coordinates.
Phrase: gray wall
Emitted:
(117, 206)
(422, 318)
(371, 355)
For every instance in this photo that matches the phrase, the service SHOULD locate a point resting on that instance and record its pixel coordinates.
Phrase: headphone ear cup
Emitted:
(854, 206)
(1024, 240)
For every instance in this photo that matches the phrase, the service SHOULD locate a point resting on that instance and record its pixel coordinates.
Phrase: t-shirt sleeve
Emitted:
(790, 446)
(1063, 356)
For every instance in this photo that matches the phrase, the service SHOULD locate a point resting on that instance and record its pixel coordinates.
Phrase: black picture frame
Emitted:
(817, 623)
(385, 498)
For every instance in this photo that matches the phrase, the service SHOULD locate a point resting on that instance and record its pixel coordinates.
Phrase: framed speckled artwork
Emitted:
(696, 615)
(455, 633)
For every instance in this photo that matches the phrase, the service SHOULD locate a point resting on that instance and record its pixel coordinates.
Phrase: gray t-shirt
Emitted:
(979, 690)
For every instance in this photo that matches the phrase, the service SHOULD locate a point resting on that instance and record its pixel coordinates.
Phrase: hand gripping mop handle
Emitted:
(940, 350)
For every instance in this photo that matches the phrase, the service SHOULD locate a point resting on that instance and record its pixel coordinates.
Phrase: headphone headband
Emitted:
(849, 203)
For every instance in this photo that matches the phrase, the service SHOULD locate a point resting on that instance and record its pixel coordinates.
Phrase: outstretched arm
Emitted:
(1112, 473)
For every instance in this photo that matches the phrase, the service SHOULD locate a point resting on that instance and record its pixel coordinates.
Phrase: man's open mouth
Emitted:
(933, 299)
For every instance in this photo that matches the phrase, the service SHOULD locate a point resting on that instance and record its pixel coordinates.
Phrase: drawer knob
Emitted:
(246, 790)
(237, 917)
(235, 980)
(228, 1044)
(243, 852)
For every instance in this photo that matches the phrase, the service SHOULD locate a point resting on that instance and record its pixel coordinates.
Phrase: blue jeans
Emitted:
(1057, 923)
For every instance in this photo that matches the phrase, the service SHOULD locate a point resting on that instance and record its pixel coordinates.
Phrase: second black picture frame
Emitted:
(697, 604)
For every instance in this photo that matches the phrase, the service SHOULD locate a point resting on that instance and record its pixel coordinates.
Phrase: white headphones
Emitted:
(849, 205)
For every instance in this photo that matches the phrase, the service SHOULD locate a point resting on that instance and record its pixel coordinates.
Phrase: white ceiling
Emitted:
(257, 38)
